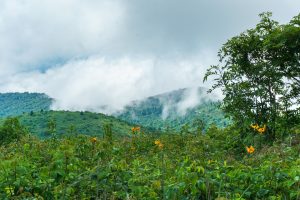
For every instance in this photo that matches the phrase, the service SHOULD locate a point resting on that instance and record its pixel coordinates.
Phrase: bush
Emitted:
(11, 131)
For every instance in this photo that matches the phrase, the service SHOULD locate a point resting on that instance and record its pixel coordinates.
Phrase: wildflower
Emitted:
(94, 139)
(135, 129)
(250, 149)
(159, 144)
(262, 130)
(254, 126)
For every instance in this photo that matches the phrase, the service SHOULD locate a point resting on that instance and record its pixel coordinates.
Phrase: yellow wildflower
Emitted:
(250, 149)
(135, 129)
(159, 144)
(94, 139)
(262, 130)
(254, 126)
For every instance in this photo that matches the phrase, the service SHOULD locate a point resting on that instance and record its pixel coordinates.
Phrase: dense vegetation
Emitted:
(257, 156)
(13, 104)
(259, 74)
(147, 166)
(46, 123)
(163, 112)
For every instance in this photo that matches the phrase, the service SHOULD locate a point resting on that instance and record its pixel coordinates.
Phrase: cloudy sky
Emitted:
(108, 52)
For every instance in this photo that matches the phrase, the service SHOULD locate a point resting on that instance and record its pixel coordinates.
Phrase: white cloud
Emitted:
(34, 33)
(90, 84)
(143, 47)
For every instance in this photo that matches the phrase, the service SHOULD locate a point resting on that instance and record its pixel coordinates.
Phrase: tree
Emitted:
(11, 131)
(108, 134)
(51, 125)
(258, 73)
(199, 124)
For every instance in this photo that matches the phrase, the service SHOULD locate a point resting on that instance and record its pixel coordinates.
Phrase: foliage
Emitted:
(170, 166)
(259, 76)
(57, 123)
(14, 104)
(11, 131)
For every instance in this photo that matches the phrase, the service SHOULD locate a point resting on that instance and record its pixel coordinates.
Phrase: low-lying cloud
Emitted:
(99, 55)
(103, 85)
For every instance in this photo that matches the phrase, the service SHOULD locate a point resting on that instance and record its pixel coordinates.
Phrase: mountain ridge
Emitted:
(16, 103)
(169, 110)
(175, 109)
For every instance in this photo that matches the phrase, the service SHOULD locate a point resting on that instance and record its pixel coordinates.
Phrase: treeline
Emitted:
(45, 124)
(13, 104)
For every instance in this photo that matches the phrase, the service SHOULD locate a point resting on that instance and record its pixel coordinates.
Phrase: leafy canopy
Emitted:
(259, 74)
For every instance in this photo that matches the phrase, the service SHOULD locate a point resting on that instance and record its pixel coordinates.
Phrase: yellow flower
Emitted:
(94, 139)
(159, 144)
(135, 129)
(260, 130)
(254, 126)
(250, 149)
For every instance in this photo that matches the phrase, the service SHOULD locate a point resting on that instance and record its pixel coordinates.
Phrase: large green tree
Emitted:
(259, 73)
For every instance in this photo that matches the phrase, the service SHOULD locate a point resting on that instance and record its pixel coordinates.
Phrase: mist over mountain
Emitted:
(175, 109)
(171, 109)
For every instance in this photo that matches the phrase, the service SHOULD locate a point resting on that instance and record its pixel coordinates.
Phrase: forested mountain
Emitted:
(13, 104)
(46, 123)
(173, 110)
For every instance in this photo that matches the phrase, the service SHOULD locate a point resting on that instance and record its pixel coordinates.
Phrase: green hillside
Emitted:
(66, 122)
(13, 104)
(150, 111)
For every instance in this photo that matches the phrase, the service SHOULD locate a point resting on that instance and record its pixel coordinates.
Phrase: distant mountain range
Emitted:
(13, 104)
(175, 109)
(183, 108)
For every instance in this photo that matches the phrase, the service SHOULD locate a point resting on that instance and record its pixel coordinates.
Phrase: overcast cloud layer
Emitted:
(90, 53)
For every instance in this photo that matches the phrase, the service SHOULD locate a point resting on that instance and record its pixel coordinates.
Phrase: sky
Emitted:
(91, 53)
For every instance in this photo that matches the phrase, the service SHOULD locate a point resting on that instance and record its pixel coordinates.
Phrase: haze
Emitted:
(87, 54)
